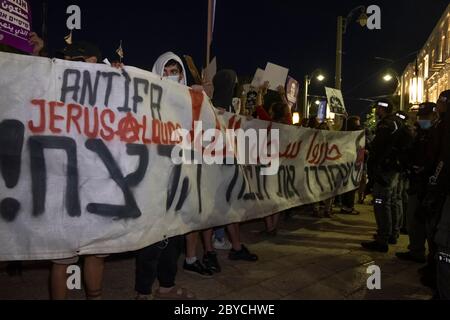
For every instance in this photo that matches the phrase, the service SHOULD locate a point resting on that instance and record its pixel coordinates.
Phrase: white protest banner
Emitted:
(87, 161)
(335, 100)
(275, 75)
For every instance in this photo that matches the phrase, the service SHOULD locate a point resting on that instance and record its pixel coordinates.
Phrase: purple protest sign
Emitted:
(15, 24)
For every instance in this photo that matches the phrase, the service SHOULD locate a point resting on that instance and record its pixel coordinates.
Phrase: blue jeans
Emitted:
(219, 234)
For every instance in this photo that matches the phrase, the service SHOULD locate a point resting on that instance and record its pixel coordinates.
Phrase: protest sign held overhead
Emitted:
(275, 75)
(258, 78)
(335, 101)
(292, 88)
(15, 24)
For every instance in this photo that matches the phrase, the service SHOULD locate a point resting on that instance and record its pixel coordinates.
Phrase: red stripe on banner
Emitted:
(197, 101)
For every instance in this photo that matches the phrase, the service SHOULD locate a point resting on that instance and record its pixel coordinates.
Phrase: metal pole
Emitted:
(305, 99)
(209, 34)
(340, 28)
(401, 93)
(44, 30)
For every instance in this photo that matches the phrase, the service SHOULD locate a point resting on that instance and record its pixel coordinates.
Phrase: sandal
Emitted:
(176, 293)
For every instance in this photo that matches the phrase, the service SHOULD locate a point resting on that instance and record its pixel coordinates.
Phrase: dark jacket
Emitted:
(419, 164)
(382, 156)
(224, 84)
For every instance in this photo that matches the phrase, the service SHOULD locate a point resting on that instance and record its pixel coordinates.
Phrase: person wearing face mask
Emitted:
(406, 135)
(385, 172)
(442, 237)
(438, 207)
(419, 169)
(170, 66)
(160, 260)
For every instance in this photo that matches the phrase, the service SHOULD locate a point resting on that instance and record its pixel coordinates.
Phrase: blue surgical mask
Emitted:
(173, 78)
(424, 124)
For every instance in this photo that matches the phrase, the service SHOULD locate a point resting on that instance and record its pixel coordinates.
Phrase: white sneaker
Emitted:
(222, 244)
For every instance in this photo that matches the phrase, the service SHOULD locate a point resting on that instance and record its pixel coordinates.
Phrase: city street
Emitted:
(310, 258)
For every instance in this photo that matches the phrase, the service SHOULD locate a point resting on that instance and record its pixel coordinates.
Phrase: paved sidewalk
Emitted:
(310, 258)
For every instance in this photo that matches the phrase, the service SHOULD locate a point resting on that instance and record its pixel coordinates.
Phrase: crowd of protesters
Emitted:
(407, 171)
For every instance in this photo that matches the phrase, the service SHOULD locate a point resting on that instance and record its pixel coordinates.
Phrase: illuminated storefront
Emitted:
(429, 75)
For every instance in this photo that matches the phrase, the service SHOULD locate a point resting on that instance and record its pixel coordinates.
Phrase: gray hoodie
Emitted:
(161, 62)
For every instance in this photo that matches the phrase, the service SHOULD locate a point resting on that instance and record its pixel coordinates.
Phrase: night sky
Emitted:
(300, 35)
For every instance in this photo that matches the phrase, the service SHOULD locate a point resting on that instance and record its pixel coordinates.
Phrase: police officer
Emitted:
(384, 170)
(419, 170)
(435, 197)
(405, 139)
(440, 181)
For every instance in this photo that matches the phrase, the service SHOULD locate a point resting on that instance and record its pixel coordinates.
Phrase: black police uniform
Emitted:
(385, 172)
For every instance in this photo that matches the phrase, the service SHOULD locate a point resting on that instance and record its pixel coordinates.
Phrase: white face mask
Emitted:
(173, 78)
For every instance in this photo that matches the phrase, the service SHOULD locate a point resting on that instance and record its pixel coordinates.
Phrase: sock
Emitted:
(191, 260)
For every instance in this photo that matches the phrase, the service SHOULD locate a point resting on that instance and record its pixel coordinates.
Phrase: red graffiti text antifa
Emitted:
(82, 88)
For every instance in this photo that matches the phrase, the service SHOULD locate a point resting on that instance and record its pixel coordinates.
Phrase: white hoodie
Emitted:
(161, 62)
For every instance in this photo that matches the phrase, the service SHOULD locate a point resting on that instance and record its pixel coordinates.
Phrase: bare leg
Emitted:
(328, 207)
(207, 240)
(275, 219)
(191, 244)
(362, 188)
(235, 237)
(93, 276)
(269, 223)
(58, 281)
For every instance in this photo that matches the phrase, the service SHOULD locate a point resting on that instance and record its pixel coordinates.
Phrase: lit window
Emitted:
(448, 42)
(426, 62)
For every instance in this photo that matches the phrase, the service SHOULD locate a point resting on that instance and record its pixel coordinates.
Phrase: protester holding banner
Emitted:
(93, 264)
(323, 208)
(160, 260)
(280, 113)
(225, 84)
(353, 123)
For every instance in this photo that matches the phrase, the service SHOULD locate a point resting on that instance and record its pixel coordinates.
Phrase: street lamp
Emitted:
(342, 24)
(416, 88)
(391, 74)
(317, 74)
